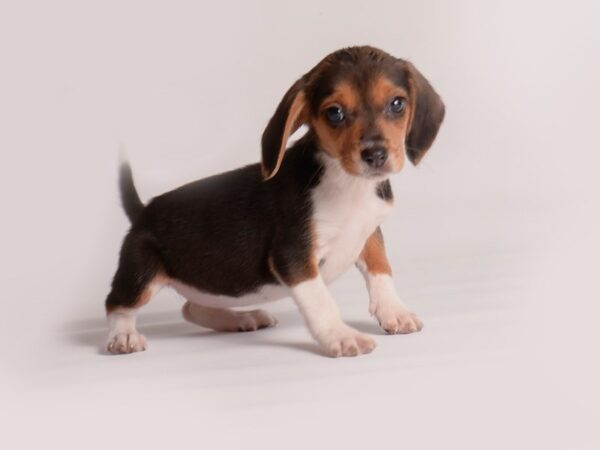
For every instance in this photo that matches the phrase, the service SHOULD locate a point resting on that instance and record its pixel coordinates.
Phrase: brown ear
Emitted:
(289, 115)
(427, 114)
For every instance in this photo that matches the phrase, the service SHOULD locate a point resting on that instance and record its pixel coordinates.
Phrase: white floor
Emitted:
(494, 240)
(496, 366)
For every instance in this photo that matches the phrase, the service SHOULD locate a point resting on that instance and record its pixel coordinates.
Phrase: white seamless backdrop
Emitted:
(493, 241)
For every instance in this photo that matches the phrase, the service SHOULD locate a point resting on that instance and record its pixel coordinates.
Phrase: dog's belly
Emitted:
(267, 293)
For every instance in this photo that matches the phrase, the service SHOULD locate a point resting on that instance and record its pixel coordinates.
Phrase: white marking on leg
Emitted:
(323, 318)
(385, 304)
(123, 336)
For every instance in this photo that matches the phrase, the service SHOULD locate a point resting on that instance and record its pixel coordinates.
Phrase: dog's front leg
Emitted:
(323, 318)
(319, 308)
(385, 304)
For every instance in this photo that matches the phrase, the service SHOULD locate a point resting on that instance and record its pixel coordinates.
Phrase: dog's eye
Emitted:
(398, 105)
(335, 114)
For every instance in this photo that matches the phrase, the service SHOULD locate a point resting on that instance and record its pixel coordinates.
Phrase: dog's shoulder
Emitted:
(301, 169)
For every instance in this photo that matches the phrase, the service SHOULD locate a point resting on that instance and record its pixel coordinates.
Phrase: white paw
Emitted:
(255, 320)
(346, 341)
(396, 319)
(126, 343)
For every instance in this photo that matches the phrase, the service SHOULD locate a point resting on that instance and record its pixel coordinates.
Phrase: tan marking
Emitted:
(394, 130)
(341, 143)
(394, 135)
(312, 271)
(118, 309)
(343, 95)
(272, 267)
(296, 117)
(112, 308)
(374, 256)
(308, 271)
(383, 90)
(152, 288)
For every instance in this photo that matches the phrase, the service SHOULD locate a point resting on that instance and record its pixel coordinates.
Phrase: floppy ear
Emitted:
(427, 114)
(289, 115)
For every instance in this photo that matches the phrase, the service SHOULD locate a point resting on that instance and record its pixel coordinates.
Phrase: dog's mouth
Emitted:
(374, 174)
(384, 171)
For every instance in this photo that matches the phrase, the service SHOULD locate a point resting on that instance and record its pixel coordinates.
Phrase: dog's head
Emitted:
(366, 108)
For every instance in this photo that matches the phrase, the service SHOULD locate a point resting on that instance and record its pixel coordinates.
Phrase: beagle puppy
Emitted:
(291, 225)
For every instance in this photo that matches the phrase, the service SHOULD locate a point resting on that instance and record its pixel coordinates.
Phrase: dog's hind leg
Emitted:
(223, 319)
(137, 279)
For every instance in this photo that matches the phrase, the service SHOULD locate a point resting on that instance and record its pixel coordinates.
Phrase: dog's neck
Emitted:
(335, 177)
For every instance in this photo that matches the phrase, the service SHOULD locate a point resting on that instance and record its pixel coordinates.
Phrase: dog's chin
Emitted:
(377, 174)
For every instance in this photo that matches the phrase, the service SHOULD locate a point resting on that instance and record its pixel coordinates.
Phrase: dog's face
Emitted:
(367, 110)
(360, 113)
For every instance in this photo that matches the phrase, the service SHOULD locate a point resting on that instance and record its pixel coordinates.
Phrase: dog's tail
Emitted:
(130, 199)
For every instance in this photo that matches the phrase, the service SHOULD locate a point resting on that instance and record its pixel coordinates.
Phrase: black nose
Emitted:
(374, 156)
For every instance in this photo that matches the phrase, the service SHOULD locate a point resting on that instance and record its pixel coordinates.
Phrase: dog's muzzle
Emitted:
(375, 157)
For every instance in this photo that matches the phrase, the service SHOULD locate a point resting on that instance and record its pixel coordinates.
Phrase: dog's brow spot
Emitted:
(343, 94)
(384, 89)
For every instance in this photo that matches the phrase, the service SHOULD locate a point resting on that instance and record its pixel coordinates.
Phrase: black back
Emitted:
(218, 233)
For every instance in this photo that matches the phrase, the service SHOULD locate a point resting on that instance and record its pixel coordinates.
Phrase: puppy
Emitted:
(291, 225)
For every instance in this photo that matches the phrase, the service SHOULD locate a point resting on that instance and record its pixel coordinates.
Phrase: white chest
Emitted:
(345, 214)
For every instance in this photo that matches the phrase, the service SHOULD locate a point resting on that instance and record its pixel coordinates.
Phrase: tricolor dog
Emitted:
(291, 225)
